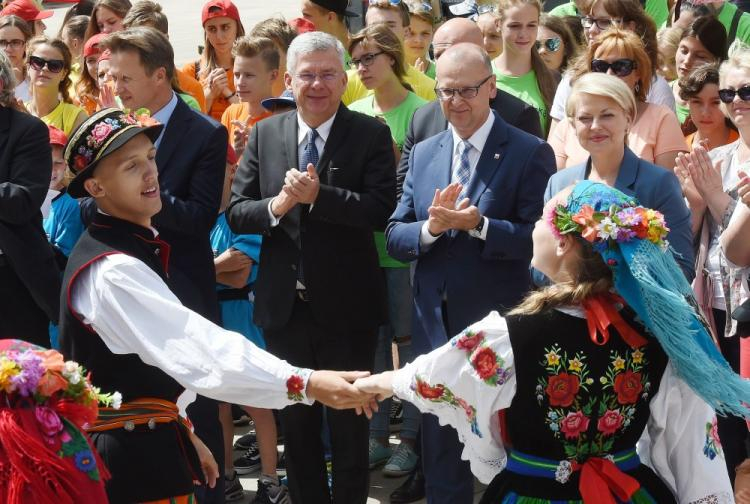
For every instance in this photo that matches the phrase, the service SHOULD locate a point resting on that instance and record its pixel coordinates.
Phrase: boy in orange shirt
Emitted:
(256, 65)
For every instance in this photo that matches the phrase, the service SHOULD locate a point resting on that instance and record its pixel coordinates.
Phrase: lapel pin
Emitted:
(497, 155)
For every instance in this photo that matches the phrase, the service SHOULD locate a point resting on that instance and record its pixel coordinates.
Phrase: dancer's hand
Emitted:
(380, 384)
(208, 462)
(335, 389)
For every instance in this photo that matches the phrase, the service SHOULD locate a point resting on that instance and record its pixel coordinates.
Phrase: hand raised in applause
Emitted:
(447, 213)
(302, 186)
(335, 389)
(743, 190)
(240, 134)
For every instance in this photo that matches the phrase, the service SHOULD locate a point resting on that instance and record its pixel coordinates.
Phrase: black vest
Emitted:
(127, 374)
(146, 464)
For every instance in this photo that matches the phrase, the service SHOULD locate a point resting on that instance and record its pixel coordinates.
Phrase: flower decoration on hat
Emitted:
(607, 227)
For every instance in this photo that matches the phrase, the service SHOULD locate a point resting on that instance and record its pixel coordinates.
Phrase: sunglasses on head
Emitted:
(551, 44)
(621, 67)
(54, 66)
(727, 95)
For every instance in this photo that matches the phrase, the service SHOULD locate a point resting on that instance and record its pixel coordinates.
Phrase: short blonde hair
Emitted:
(606, 86)
(739, 60)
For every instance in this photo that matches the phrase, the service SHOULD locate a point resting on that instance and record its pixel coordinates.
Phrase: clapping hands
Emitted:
(299, 187)
(699, 177)
(447, 213)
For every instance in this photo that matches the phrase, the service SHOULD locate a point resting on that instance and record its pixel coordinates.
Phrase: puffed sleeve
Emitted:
(465, 383)
(684, 445)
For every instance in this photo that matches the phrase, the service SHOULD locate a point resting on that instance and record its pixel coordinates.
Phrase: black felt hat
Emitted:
(98, 137)
(337, 6)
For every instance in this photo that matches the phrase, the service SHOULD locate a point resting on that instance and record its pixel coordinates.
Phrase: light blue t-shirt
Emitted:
(237, 314)
(63, 225)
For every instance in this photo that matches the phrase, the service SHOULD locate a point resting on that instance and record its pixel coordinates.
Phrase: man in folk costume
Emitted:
(122, 322)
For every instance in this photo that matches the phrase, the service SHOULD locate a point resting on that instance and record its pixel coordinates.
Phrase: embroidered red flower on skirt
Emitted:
(574, 424)
(610, 422)
(562, 389)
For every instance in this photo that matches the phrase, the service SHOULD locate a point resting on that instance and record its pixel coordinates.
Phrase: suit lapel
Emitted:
(5, 114)
(625, 181)
(489, 160)
(291, 221)
(335, 137)
(176, 129)
(443, 161)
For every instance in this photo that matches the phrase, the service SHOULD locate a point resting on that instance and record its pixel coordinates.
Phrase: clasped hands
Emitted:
(447, 213)
(699, 177)
(299, 187)
(356, 390)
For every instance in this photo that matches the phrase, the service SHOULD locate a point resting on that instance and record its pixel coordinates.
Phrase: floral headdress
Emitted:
(603, 225)
(45, 402)
(632, 241)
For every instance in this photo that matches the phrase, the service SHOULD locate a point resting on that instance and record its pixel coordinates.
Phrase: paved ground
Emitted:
(186, 34)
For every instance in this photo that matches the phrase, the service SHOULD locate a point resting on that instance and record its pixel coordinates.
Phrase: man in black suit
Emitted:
(190, 157)
(429, 120)
(29, 277)
(316, 183)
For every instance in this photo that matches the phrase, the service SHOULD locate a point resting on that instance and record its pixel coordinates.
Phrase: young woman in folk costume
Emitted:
(613, 353)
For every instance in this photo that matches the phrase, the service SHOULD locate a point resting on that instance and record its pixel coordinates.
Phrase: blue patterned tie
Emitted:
(462, 174)
(310, 155)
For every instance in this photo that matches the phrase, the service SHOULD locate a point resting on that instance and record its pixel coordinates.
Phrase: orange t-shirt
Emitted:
(239, 112)
(733, 135)
(191, 86)
(220, 104)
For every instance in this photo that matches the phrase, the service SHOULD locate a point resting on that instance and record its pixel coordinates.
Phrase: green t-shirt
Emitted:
(726, 14)
(398, 120)
(190, 101)
(525, 88)
(430, 72)
(658, 10)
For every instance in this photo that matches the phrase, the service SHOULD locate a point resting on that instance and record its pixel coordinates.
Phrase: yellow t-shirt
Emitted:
(63, 117)
(423, 86)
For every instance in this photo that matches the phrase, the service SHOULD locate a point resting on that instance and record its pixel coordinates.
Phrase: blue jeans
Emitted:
(399, 327)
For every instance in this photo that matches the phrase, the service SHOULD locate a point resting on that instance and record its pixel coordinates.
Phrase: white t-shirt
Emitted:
(23, 91)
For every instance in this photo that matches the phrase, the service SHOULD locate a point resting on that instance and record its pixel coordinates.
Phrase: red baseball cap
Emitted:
(57, 137)
(232, 157)
(105, 55)
(302, 25)
(219, 8)
(26, 10)
(91, 47)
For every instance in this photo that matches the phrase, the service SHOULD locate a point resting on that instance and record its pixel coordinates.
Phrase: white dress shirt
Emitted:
(164, 115)
(133, 311)
(477, 141)
(303, 130)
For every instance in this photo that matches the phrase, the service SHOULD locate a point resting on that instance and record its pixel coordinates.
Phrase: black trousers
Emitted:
(305, 343)
(204, 414)
(20, 316)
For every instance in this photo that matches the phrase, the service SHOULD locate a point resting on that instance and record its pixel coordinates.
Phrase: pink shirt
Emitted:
(656, 132)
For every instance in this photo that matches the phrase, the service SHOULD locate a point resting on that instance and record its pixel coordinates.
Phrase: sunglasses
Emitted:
(551, 44)
(727, 95)
(54, 66)
(621, 67)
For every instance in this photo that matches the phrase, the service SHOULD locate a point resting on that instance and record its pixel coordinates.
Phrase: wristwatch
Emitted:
(477, 231)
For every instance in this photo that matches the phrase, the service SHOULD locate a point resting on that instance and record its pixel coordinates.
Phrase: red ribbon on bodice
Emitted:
(600, 478)
(602, 313)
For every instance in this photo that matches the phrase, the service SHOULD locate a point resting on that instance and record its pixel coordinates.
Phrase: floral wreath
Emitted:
(101, 134)
(618, 224)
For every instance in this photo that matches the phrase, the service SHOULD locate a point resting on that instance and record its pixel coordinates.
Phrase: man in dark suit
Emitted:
(190, 157)
(471, 197)
(430, 120)
(316, 183)
(29, 277)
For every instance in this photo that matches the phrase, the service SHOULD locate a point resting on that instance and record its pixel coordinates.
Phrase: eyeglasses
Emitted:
(392, 2)
(54, 66)
(365, 60)
(601, 23)
(312, 77)
(467, 93)
(621, 67)
(551, 44)
(727, 95)
(13, 44)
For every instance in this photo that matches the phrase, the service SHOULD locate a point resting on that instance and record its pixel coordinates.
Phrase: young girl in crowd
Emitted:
(419, 37)
(107, 17)
(14, 36)
(655, 134)
(519, 70)
(704, 42)
(73, 33)
(256, 66)
(49, 63)
(628, 15)
(87, 87)
(700, 90)
(377, 56)
(611, 355)
(555, 43)
(221, 27)
(709, 181)
(489, 24)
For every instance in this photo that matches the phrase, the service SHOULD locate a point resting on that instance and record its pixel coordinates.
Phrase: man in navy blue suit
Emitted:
(470, 200)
